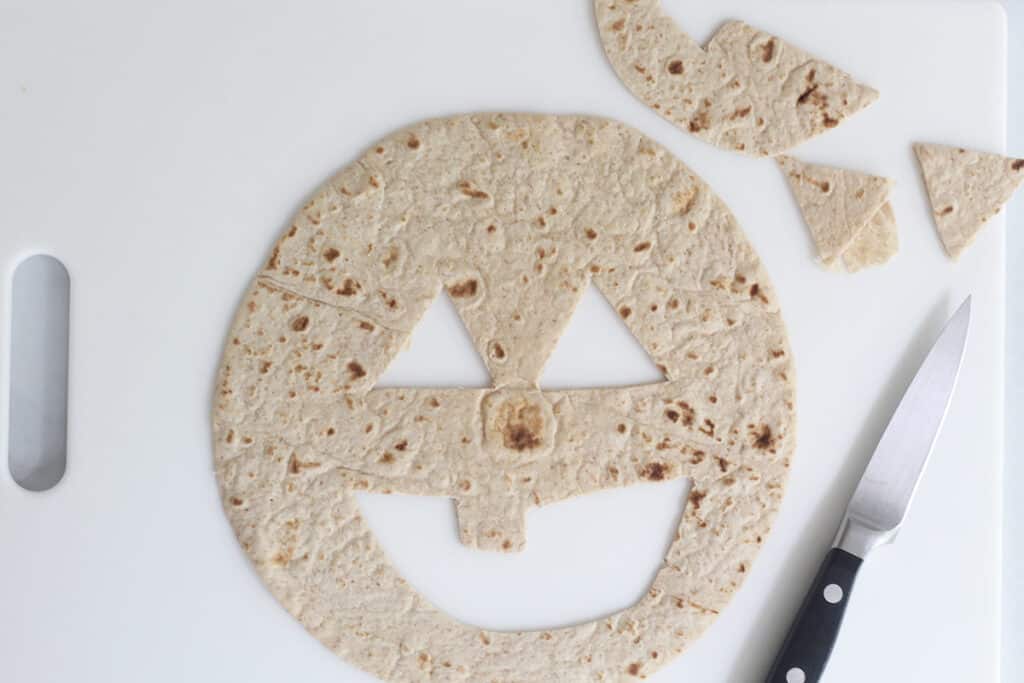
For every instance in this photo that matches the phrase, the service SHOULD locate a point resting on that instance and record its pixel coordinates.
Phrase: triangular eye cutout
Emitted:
(439, 353)
(598, 350)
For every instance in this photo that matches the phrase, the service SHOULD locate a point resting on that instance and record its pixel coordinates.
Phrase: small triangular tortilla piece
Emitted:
(746, 91)
(876, 244)
(966, 188)
(836, 203)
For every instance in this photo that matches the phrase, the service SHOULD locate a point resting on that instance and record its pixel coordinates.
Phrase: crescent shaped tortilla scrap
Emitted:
(838, 205)
(966, 188)
(514, 215)
(746, 91)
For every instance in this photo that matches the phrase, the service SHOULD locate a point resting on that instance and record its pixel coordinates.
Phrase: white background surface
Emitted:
(159, 153)
(1013, 532)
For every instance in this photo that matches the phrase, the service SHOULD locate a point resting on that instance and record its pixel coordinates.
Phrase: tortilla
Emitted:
(746, 91)
(514, 215)
(837, 204)
(876, 244)
(966, 188)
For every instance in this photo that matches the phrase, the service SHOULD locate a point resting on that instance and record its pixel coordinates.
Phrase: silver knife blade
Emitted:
(887, 488)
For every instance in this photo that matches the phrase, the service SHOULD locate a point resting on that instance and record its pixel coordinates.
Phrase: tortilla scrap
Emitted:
(513, 215)
(838, 206)
(747, 91)
(966, 188)
(877, 243)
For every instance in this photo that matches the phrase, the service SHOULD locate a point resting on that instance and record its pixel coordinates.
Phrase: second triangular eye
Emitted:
(439, 353)
(598, 350)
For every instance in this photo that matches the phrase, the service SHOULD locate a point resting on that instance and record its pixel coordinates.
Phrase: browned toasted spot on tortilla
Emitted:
(264, 367)
(768, 51)
(387, 458)
(349, 287)
(401, 445)
(619, 25)
(300, 323)
(491, 228)
(625, 311)
(654, 471)
(828, 121)
(687, 415)
(506, 544)
(499, 350)
(467, 189)
(700, 121)
(236, 501)
(521, 424)
(762, 437)
(778, 353)
(806, 94)
(947, 210)
(673, 303)
(675, 67)
(696, 497)
(672, 415)
(633, 669)
(590, 233)
(295, 465)
(363, 325)
(463, 289)
(740, 113)
(331, 253)
(1017, 164)
(413, 142)
(642, 246)
(723, 464)
(621, 428)
(355, 370)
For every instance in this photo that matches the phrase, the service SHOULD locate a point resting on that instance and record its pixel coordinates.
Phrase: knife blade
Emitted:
(878, 506)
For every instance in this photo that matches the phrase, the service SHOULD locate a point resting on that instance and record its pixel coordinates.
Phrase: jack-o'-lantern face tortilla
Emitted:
(514, 215)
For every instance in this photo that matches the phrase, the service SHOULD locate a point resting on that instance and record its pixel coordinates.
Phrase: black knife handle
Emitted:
(809, 643)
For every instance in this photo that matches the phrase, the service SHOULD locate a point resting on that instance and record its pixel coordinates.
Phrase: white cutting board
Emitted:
(160, 151)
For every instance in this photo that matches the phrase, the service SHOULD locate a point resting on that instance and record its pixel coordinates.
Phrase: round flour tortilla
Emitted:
(514, 215)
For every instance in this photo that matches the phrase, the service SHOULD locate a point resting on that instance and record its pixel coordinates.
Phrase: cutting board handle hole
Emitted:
(37, 438)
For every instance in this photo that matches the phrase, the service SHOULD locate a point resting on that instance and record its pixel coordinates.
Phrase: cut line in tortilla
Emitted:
(838, 205)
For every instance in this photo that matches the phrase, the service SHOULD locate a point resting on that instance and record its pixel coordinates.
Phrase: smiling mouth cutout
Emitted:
(515, 216)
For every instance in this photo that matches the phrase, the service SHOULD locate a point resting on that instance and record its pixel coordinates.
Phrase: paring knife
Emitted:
(878, 506)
